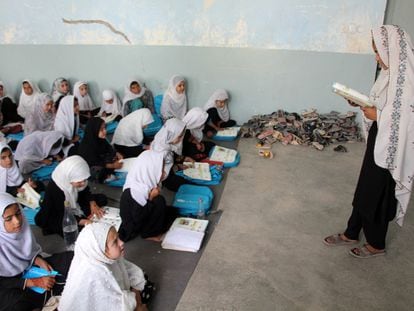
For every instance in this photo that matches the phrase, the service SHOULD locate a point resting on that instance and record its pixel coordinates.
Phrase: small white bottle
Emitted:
(200, 212)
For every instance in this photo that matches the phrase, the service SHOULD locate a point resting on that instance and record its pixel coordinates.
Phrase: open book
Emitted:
(126, 165)
(228, 131)
(197, 170)
(185, 234)
(111, 217)
(29, 197)
(109, 118)
(352, 95)
(222, 154)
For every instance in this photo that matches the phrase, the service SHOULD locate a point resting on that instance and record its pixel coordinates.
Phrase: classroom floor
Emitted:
(266, 250)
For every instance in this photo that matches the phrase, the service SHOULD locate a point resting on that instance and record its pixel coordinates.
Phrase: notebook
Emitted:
(185, 234)
(228, 131)
(352, 95)
(197, 170)
(224, 155)
(126, 165)
(111, 217)
(29, 197)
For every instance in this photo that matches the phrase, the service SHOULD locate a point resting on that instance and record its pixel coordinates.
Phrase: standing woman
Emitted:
(385, 182)
(129, 135)
(42, 117)
(143, 209)
(174, 102)
(218, 113)
(18, 252)
(27, 98)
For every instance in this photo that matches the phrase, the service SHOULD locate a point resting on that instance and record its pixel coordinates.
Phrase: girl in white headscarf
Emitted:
(218, 113)
(42, 117)
(111, 106)
(67, 120)
(60, 88)
(169, 141)
(27, 98)
(18, 252)
(87, 108)
(11, 179)
(129, 134)
(385, 182)
(174, 102)
(69, 183)
(7, 107)
(143, 210)
(99, 277)
(38, 149)
(136, 96)
(193, 146)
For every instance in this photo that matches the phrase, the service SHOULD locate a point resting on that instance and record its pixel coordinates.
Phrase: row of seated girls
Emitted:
(51, 134)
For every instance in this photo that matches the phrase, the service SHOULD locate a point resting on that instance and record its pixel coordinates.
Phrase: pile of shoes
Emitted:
(307, 128)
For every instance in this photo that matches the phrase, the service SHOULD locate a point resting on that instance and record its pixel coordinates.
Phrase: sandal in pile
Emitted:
(267, 154)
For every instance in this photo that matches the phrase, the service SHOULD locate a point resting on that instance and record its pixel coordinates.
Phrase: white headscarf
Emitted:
(194, 121)
(163, 141)
(174, 104)
(26, 102)
(38, 119)
(144, 175)
(96, 282)
(72, 169)
(85, 102)
(57, 90)
(223, 112)
(9, 176)
(17, 250)
(128, 95)
(65, 118)
(36, 147)
(129, 130)
(115, 108)
(393, 95)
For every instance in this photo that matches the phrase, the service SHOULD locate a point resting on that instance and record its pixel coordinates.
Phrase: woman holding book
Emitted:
(384, 186)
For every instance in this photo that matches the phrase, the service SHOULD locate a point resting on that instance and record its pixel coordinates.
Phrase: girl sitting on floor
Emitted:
(174, 102)
(87, 107)
(39, 149)
(193, 146)
(99, 277)
(169, 141)
(67, 121)
(11, 180)
(111, 106)
(137, 96)
(143, 209)
(8, 107)
(60, 88)
(69, 183)
(42, 117)
(129, 135)
(18, 252)
(97, 151)
(218, 113)
(27, 98)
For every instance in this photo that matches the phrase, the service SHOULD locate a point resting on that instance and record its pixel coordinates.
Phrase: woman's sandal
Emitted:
(363, 252)
(336, 240)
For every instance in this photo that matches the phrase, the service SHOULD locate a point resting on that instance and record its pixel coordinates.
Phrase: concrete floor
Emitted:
(266, 252)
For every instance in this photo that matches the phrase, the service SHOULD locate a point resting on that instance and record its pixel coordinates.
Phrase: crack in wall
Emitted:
(96, 21)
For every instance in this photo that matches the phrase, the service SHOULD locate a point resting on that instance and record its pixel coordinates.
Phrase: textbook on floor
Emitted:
(185, 234)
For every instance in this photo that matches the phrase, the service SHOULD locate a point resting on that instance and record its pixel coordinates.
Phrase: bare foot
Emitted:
(157, 238)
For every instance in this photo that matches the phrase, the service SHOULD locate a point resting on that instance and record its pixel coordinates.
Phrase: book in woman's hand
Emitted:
(352, 95)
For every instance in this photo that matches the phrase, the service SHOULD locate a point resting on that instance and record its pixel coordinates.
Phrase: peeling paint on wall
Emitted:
(320, 25)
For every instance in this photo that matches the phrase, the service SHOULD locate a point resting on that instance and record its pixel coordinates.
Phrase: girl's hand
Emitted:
(45, 282)
(84, 222)
(200, 147)
(188, 159)
(103, 114)
(119, 156)
(370, 113)
(32, 183)
(352, 103)
(47, 161)
(40, 262)
(75, 139)
(96, 210)
(154, 193)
